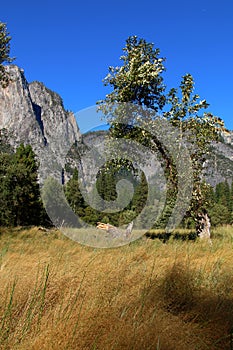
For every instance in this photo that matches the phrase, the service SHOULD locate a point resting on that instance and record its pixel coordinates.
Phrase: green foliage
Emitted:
(4, 54)
(219, 215)
(53, 199)
(167, 211)
(5, 146)
(126, 216)
(7, 213)
(19, 189)
(106, 184)
(91, 216)
(74, 195)
(56, 205)
(140, 194)
(220, 210)
(139, 81)
(223, 195)
(198, 129)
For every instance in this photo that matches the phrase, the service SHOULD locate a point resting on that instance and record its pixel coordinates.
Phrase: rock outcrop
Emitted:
(35, 115)
(219, 166)
(16, 110)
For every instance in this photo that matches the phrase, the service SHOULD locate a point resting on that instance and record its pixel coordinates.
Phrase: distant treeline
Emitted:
(21, 202)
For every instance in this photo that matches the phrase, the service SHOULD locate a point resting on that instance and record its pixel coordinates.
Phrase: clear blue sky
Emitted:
(68, 45)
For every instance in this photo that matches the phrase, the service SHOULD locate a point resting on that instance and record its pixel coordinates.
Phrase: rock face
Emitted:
(16, 110)
(35, 115)
(219, 166)
(50, 114)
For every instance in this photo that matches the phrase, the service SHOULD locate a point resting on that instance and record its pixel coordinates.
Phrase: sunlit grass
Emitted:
(99, 238)
(58, 294)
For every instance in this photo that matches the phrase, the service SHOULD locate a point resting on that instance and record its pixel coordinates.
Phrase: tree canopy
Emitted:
(139, 81)
(4, 54)
(19, 188)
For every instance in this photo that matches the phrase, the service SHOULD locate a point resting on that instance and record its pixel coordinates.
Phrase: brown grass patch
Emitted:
(56, 294)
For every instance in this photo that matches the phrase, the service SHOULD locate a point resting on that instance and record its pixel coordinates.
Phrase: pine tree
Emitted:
(140, 194)
(20, 194)
(56, 204)
(219, 215)
(231, 197)
(223, 195)
(7, 217)
(4, 54)
(74, 195)
(27, 204)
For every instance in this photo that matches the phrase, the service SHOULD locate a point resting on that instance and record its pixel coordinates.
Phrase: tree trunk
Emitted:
(114, 231)
(203, 225)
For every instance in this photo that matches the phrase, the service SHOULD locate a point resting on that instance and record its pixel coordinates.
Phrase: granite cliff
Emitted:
(219, 164)
(33, 114)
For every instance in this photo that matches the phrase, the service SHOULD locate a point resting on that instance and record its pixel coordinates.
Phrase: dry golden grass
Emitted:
(56, 294)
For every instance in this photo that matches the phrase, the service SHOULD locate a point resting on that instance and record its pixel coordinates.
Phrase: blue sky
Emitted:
(68, 45)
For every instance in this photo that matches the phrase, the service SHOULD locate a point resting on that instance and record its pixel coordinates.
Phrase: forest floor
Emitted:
(58, 294)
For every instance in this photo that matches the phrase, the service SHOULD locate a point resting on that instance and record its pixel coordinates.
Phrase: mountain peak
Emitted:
(35, 115)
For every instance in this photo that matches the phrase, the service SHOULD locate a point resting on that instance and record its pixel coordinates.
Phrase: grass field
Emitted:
(57, 294)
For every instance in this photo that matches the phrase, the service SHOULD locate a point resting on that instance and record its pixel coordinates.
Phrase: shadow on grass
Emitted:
(165, 236)
(205, 299)
(183, 309)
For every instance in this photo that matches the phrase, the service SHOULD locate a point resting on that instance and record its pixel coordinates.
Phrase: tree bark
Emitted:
(203, 225)
(114, 231)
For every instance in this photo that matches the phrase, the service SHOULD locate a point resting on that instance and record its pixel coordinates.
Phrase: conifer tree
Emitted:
(4, 54)
(74, 195)
(222, 194)
(57, 206)
(26, 190)
(20, 193)
(140, 194)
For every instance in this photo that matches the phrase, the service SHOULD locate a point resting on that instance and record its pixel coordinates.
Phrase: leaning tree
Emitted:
(139, 81)
(199, 129)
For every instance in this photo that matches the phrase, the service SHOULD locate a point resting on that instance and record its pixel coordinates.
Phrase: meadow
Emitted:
(58, 294)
